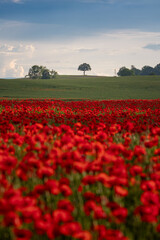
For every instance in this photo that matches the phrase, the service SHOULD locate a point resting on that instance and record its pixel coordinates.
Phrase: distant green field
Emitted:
(80, 87)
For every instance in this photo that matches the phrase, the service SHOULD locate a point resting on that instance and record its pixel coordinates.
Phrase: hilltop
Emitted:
(83, 87)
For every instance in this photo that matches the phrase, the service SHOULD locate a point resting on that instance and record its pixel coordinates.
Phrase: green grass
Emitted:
(79, 87)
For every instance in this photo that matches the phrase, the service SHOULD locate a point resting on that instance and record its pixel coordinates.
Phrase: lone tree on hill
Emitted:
(84, 67)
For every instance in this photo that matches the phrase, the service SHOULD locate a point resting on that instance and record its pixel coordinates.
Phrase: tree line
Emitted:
(41, 72)
(133, 71)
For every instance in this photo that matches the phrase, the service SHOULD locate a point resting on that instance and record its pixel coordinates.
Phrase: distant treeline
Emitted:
(133, 71)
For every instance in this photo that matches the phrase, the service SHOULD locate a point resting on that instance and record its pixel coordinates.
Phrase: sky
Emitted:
(62, 34)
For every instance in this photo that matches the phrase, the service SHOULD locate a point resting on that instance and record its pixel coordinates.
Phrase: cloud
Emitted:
(13, 58)
(12, 69)
(154, 47)
(15, 69)
(87, 50)
(21, 48)
(16, 49)
(5, 48)
(104, 51)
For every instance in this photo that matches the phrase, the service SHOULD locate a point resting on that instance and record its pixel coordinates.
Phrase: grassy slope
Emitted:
(77, 87)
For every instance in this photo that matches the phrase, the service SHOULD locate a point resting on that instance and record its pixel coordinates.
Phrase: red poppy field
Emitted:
(87, 170)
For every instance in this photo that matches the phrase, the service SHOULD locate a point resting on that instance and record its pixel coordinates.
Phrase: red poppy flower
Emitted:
(149, 198)
(121, 191)
(66, 205)
(70, 229)
(65, 190)
(22, 234)
(120, 214)
(83, 235)
(12, 219)
(61, 215)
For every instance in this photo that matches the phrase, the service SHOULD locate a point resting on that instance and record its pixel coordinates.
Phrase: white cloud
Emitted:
(16, 69)
(12, 69)
(16, 48)
(4, 48)
(105, 52)
(13, 58)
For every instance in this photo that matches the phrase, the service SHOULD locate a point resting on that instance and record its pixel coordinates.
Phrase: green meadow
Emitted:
(82, 87)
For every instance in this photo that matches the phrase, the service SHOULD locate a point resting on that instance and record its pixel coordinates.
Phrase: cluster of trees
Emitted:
(41, 72)
(146, 70)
